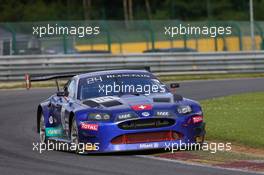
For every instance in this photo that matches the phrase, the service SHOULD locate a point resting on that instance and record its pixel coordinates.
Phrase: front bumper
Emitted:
(106, 132)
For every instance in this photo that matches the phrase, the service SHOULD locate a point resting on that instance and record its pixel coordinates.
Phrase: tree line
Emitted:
(48, 10)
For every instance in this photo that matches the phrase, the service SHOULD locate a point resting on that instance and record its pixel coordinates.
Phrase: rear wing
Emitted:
(42, 77)
(36, 78)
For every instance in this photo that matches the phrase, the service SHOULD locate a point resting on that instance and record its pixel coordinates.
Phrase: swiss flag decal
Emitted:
(141, 107)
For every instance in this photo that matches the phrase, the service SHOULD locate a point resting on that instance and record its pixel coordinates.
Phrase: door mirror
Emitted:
(61, 94)
(173, 87)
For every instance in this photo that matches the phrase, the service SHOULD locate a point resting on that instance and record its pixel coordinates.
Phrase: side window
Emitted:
(71, 88)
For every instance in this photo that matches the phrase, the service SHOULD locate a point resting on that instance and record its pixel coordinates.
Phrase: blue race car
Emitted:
(118, 110)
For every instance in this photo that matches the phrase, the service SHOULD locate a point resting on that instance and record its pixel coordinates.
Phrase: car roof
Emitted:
(107, 72)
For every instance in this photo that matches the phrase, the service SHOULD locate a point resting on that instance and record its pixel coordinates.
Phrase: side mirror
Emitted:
(173, 87)
(64, 93)
(60, 93)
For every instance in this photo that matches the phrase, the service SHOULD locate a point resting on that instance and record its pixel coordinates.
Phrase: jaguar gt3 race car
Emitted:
(118, 110)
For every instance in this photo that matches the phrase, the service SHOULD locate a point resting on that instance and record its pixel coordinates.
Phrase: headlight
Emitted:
(184, 109)
(125, 116)
(98, 117)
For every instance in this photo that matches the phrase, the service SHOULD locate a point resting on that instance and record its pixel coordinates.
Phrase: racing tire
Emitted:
(42, 130)
(75, 136)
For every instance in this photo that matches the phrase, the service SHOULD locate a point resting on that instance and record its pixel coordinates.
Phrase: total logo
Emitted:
(88, 126)
(141, 107)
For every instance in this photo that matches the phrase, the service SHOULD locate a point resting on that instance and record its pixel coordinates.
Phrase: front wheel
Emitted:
(42, 130)
(75, 137)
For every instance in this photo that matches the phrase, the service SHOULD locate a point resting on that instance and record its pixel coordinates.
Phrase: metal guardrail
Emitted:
(14, 67)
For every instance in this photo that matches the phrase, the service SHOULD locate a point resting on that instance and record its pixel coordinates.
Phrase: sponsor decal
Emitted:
(145, 114)
(104, 99)
(124, 116)
(51, 121)
(148, 145)
(141, 107)
(127, 76)
(88, 126)
(162, 113)
(197, 119)
(54, 131)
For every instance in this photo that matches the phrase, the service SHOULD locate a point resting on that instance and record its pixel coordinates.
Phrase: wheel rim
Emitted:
(42, 128)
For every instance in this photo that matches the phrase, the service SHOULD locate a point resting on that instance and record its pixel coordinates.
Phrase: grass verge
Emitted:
(237, 119)
(224, 159)
(209, 76)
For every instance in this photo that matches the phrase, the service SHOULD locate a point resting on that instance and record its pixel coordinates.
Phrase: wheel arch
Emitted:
(39, 112)
(72, 115)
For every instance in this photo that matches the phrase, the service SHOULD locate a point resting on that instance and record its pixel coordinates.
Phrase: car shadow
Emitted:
(129, 153)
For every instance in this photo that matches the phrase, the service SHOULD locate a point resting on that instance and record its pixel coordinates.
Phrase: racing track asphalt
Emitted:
(17, 132)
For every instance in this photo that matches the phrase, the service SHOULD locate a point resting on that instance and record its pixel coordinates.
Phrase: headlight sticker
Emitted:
(184, 109)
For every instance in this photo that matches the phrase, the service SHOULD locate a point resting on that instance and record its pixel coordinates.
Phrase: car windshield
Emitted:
(100, 86)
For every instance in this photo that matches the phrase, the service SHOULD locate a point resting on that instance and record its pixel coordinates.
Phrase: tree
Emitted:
(87, 8)
(130, 9)
(125, 12)
(148, 9)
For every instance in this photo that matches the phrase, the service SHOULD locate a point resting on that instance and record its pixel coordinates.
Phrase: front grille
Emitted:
(147, 137)
(146, 123)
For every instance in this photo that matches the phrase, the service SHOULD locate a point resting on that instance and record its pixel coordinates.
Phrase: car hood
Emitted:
(163, 104)
(137, 103)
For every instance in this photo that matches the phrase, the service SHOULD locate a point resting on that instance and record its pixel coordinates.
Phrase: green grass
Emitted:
(209, 76)
(237, 119)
